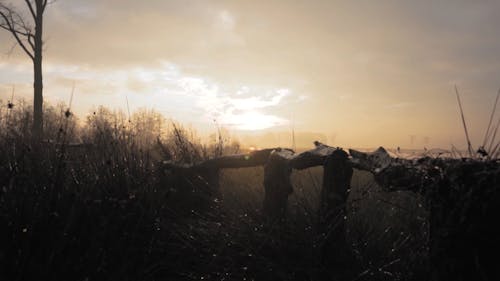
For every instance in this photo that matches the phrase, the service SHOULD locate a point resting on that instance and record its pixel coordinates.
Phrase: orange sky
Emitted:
(354, 73)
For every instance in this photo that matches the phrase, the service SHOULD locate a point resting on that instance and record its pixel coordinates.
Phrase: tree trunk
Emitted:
(38, 79)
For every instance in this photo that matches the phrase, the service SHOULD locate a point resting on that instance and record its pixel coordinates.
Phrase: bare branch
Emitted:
(13, 23)
(30, 6)
(31, 42)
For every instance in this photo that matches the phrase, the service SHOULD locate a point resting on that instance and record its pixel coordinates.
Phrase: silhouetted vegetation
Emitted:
(98, 206)
(28, 34)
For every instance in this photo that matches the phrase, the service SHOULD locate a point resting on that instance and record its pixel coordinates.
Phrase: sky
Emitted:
(351, 73)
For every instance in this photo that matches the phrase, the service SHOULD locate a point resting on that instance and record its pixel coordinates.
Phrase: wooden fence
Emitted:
(462, 196)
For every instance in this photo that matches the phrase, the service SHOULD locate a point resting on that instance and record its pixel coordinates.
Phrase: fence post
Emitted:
(337, 175)
(277, 184)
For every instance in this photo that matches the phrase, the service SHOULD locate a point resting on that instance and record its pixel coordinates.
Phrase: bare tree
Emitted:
(27, 31)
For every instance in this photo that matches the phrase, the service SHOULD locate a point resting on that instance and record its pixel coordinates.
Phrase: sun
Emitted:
(252, 121)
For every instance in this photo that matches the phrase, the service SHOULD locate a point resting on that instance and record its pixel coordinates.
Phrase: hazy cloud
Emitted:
(243, 110)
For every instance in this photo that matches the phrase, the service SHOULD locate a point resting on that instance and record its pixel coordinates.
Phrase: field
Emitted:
(105, 210)
(260, 189)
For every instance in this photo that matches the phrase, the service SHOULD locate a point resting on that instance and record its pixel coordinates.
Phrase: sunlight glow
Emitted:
(242, 110)
(252, 120)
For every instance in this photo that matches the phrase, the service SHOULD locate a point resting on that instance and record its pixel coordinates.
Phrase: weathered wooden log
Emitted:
(335, 190)
(335, 252)
(336, 184)
(277, 184)
(207, 172)
(252, 159)
(337, 175)
(278, 164)
(313, 157)
(463, 197)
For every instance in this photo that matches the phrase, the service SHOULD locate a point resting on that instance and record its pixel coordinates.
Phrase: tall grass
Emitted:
(490, 148)
(97, 205)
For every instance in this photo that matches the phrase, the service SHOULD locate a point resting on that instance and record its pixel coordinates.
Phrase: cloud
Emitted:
(257, 102)
(376, 52)
(243, 110)
(251, 120)
(225, 20)
(164, 86)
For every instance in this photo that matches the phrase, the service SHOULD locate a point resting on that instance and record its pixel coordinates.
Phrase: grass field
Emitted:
(106, 211)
